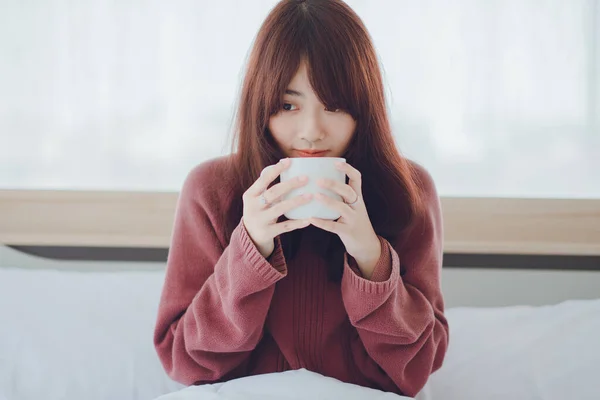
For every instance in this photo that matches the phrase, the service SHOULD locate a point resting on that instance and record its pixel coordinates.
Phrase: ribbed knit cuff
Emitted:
(271, 270)
(383, 268)
(385, 275)
(277, 259)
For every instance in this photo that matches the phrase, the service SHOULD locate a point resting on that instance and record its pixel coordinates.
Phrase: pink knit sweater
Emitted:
(227, 312)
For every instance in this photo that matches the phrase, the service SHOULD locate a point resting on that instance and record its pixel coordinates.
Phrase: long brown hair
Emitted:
(344, 72)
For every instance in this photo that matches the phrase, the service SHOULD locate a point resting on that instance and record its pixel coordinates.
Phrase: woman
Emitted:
(247, 291)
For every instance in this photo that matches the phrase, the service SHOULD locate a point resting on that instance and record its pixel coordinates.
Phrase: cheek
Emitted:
(277, 126)
(344, 130)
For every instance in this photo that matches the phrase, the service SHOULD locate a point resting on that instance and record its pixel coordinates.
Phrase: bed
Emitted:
(79, 326)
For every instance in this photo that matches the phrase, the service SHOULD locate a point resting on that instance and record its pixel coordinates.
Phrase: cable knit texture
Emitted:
(227, 312)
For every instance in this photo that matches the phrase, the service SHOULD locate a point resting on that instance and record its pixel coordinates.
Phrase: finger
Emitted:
(327, 225)
(288, 226)
(339, 206)
(268, 175)
(281, 189)
(346, 191)
(355, 176)
(281, 208)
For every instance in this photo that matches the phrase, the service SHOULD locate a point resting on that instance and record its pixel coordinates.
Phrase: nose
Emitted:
(310, 128)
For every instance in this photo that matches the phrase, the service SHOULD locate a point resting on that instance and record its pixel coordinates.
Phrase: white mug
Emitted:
(314, 168)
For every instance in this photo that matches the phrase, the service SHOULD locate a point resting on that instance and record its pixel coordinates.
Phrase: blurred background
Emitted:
(496, 98)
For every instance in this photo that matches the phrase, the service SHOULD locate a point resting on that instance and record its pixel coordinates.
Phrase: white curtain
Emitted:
(494, 98)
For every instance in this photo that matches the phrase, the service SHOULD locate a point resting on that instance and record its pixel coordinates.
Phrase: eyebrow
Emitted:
(294, 93)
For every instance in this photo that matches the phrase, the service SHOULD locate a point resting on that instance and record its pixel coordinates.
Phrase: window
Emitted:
(495, 99)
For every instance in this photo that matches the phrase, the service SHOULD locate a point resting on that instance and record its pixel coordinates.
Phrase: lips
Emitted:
(311, 153)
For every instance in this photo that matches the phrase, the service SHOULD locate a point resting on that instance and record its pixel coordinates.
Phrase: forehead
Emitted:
(300, 82)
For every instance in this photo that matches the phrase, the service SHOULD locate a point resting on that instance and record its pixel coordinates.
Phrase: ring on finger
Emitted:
(263, 200)
(354, 202)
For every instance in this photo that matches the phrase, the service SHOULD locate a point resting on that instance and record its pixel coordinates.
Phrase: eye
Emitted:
(289, 107)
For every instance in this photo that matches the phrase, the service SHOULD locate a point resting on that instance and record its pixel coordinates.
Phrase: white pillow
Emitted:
(290, 385)
(79, 335)
(549, 352)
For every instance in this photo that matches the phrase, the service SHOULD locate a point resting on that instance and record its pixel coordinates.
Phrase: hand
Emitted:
(260, 219)
(354, 226)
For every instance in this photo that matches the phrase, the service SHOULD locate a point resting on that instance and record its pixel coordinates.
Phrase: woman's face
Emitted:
(304, 128)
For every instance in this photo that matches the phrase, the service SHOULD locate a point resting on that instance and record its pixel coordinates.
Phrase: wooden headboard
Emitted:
(144, 220)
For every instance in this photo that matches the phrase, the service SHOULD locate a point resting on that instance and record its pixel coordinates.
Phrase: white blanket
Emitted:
(290, 385)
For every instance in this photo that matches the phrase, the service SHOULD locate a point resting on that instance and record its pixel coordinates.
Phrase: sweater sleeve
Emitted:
(399, 317)
(215, 298)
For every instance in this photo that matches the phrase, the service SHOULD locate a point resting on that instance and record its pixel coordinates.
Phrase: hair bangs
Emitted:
(308, 33)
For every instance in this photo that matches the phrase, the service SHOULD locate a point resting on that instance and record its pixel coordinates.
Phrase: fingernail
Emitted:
(303, 178)
(339, 164)
(322, 182)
